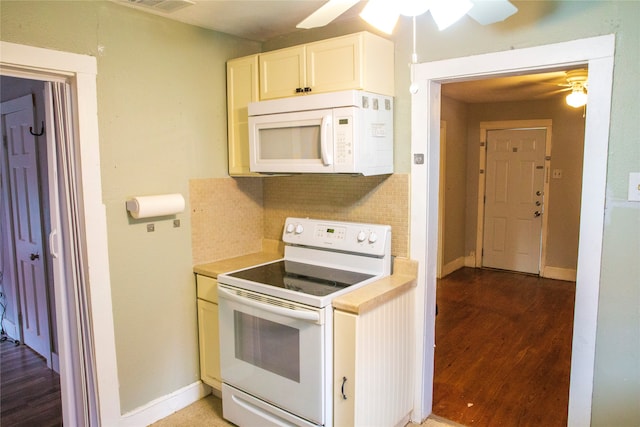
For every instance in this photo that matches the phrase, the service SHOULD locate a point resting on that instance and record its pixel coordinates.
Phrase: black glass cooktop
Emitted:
(306, 278)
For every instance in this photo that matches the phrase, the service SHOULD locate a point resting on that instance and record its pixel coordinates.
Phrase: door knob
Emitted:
(34, 257)
(538, 193)
(536, 214)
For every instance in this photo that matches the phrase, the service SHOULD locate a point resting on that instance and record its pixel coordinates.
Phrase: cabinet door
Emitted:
(282, 72)
(242, 88)
(335, 64)
(344, 368)
(209, 343)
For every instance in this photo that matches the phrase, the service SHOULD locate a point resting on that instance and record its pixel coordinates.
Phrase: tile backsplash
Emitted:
(227, 217)
(231, 216)
(381, 199)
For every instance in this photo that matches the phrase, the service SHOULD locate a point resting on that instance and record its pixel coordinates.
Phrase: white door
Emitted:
(513, 199)
(17, 119)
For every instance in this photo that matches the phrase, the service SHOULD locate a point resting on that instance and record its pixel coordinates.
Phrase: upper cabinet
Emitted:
(242, 88)
(358, 61)
(361, 61)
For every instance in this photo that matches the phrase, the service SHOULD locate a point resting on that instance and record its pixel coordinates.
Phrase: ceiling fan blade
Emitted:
(327, 13)
(491, 11)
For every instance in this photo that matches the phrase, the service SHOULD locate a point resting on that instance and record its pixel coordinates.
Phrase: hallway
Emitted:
(29, 391)
(503, 349)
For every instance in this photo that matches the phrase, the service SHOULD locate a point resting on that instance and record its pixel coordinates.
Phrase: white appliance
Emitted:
(338, 132)
(276, 321)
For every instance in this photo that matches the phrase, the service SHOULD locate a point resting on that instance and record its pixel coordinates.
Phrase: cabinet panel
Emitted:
(207, 288)
(282, 72)
(242, 88)
(209, 343)
(334, 64)
(344, 341)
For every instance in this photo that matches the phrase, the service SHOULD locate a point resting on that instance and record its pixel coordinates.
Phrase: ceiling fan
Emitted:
(383, 14)
(577, 81)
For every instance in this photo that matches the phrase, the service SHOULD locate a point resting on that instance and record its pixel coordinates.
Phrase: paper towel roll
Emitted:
(160, 205)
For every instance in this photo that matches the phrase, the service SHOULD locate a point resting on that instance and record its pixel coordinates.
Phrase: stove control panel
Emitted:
(371, 239)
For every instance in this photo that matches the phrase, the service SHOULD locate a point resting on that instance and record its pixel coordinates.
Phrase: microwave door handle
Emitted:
(324, 140)
(309, 316)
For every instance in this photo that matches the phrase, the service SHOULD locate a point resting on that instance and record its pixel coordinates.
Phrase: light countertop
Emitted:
(361, 300)
(403, 279)
(271, 250)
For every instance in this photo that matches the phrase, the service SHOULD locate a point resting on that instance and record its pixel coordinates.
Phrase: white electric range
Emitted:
(276, 321)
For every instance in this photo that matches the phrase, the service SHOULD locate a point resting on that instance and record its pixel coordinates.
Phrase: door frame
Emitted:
(80, 71)
(442, 199)
(598, 54)
(485, 127)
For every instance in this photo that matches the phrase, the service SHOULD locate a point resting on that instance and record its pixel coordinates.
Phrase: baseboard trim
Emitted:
(470, 261)
(11, 329)
(452, 266)
(164, 406)
(557, 273)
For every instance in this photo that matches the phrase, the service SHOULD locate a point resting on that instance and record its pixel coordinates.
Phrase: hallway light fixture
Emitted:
(578, 81)
(577, 97)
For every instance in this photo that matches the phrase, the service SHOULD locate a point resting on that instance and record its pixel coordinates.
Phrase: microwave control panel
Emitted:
(343, 140)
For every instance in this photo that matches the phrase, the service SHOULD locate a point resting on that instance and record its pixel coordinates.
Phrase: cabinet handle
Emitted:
(307, 89)
(344, 396)
(298, 90)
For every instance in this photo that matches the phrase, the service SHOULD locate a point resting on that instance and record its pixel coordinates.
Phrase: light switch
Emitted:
(634, 187)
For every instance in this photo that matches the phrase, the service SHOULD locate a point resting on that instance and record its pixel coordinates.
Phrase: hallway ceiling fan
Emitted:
(383, 14)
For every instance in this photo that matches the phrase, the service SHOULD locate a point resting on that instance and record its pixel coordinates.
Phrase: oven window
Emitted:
(267, 345)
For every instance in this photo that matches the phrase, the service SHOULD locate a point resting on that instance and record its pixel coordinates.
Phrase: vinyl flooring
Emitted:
(503, 349)
(29, 391)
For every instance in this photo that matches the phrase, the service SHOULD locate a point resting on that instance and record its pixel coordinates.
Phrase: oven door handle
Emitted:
(309, 316)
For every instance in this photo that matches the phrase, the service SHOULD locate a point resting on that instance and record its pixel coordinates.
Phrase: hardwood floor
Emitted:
(503, 349)
(29, 391)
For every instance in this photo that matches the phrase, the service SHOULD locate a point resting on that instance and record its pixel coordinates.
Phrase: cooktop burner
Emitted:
(305, 278)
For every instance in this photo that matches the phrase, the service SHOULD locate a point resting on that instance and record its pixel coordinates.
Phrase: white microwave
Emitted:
(338, 132)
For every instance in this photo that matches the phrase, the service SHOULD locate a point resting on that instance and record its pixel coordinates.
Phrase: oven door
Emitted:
(274, 350)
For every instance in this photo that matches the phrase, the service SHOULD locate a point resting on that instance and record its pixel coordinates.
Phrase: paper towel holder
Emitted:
(155, 206)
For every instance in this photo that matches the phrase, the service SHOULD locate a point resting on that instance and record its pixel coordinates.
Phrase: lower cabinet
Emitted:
(344, 368)
(208, 334)
(373, 364)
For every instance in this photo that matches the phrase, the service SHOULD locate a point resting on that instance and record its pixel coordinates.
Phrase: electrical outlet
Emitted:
(557, 174)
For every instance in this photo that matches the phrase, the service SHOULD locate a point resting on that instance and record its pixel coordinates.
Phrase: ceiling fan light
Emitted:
(446, 12)
(413, 7)
(577, 98)
(488, 12)
(381, 14)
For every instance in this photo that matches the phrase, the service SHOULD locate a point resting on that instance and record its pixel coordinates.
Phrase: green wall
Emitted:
(162, 122)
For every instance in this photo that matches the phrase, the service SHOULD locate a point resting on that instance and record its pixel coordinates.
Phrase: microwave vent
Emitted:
(166, 6)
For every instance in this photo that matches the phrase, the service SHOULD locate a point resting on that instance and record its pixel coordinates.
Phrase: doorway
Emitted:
(28, 309)
(595, 52)
(85, 339)
(514, 156)
(26, 263)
